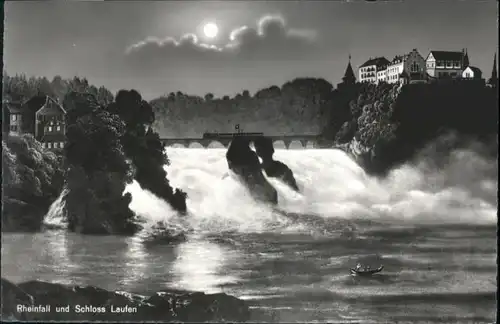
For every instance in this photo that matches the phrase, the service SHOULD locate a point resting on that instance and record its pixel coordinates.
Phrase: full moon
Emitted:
(210, 30)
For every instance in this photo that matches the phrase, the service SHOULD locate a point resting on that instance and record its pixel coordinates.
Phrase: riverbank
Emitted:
(39, 301)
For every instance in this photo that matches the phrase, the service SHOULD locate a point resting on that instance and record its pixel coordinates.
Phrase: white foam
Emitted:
(332, 186)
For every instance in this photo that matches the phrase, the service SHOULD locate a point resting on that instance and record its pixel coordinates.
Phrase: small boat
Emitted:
(364, 272)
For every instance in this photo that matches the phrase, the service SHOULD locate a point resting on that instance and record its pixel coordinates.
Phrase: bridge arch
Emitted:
(215, 144)
(279, 144)
(294, 144)
(195, 144)
(176, 145)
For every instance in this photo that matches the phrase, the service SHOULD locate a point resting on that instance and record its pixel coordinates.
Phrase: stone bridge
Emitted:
(208, 139)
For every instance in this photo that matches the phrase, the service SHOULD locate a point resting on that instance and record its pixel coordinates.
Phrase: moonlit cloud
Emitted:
(271, 37)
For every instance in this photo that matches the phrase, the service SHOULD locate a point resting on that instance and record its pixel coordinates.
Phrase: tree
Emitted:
(59, 87)
(97, 169)
(209, 96)
(32, 180)
(134, 111)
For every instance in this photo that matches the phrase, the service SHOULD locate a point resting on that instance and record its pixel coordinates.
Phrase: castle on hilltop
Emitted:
(413, 68)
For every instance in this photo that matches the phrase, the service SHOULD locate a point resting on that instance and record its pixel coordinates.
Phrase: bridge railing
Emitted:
(229, 135)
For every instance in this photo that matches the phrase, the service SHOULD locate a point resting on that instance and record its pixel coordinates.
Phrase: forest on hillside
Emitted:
(296, 107)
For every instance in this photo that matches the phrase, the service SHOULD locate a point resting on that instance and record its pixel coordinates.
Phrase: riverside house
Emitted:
(50, 127)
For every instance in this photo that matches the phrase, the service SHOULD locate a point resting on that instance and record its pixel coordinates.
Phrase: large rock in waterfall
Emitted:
(244, 162)
(38, 300)
(274, 169)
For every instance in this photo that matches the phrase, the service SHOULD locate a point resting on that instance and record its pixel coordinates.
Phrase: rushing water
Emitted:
(434, 231)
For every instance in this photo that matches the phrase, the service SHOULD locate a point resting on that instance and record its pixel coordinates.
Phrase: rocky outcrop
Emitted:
(244, 162)
(12, 298)
(44, 301)
(165, 233)
(382, 126)
(274, 169)
(32, 178)
(97, 170)
(143, 147)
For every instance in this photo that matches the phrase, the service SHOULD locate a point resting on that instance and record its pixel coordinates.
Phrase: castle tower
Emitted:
(493, 81)
(465, 59)
(349, 77)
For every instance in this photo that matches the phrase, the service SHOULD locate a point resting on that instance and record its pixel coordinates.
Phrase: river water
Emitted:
(433, 230)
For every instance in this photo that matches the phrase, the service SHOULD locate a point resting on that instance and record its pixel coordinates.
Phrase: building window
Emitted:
(44, 145)
(414, 67)
(61, 144)
(50, 129)
(56, 144)
(58, 128)
(13, 128)
(13, 117)
(49, 145)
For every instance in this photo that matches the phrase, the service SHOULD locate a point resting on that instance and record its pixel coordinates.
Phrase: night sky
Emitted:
(159, 47)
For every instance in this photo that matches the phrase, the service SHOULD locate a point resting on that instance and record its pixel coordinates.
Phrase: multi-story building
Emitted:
(446, 64)
(413, 68)
(40, 116)
(15, 116)
(50, 126)
(368, 72)
(382, 76)
(411, 65)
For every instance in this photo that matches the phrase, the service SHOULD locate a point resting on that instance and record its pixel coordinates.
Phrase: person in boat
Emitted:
(359, 267)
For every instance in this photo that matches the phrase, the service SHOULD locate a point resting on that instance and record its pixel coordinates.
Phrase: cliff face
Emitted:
(385, 125)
